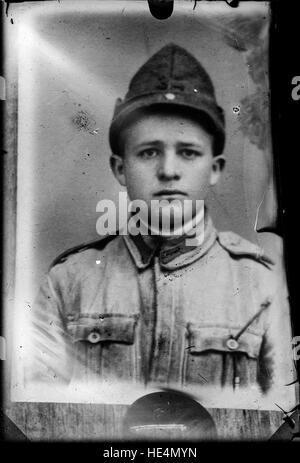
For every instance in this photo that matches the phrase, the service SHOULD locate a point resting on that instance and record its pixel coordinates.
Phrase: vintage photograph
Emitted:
(146, 256)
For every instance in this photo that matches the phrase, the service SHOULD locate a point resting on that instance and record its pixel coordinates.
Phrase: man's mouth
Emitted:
(170, 193)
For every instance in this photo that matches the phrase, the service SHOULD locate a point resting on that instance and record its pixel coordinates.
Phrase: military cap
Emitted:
(172, 76)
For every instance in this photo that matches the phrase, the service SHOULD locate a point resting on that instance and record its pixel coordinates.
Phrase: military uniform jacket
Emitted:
(177, 315)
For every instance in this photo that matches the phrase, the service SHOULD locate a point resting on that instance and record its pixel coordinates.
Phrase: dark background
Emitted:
(286, 135)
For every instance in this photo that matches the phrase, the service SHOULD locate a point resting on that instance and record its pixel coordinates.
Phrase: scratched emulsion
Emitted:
(82, 120)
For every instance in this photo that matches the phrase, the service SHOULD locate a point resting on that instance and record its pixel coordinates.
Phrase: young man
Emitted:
(151, 307)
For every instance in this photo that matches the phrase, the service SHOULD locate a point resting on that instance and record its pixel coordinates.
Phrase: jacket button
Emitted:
(232, 344)
(94, 337)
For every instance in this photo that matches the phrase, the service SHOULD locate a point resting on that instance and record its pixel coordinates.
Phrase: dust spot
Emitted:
(84, 121)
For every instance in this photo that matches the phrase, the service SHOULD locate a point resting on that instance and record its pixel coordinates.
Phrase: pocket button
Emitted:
(232, 344)
(94, 337)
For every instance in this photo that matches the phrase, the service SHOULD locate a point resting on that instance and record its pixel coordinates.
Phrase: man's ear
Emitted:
(117, 166)
(217, 169)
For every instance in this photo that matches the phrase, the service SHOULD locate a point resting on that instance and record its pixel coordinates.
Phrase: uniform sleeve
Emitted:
(276, 357)
(51, 346)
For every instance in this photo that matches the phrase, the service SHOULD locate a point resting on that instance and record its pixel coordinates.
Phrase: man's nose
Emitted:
(168, 168)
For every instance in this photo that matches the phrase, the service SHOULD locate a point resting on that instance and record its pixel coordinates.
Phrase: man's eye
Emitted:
(190, 154)
(148, 153)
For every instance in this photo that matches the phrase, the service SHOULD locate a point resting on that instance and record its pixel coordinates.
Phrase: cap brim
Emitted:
(199, 104)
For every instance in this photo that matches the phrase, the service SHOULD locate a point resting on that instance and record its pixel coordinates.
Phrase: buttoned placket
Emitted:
(169, 334)
(163, 331)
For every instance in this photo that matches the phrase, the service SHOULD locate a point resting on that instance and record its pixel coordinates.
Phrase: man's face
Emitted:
(167, 157)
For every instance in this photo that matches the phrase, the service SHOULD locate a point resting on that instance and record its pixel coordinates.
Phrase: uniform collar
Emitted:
(172, 254)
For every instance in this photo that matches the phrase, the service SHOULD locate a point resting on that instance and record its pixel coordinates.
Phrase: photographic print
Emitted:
(146, 257)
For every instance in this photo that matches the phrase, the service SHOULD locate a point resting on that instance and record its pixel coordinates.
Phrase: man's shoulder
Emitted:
(238, 247)
(81, 251)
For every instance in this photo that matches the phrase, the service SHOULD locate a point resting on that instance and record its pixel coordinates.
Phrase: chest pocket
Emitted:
(206, 338)
(103, 328)
(214, 356)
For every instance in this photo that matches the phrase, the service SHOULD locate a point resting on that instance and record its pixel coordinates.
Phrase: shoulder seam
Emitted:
(98, 244)
(255, 252)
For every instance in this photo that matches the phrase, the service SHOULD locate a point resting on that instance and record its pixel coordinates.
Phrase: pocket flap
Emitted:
(203, 338)
(96, 328)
